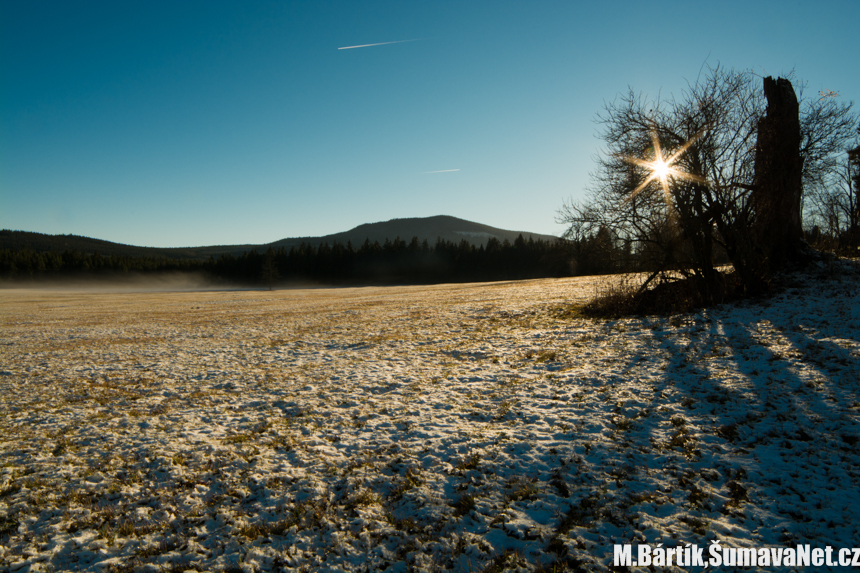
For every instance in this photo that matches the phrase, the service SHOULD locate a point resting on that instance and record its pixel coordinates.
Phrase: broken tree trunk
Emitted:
(776, 197)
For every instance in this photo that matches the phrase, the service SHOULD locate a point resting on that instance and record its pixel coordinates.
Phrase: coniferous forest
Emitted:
(393, 262)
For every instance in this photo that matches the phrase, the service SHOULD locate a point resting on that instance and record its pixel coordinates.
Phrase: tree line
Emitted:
(394, 261)
(27, 263)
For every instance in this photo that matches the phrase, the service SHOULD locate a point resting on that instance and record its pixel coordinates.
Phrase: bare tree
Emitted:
(833, 190)
(852, 171)
(834, 209)
(678, 176)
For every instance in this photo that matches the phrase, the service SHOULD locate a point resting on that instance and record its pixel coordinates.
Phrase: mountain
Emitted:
(425, 228)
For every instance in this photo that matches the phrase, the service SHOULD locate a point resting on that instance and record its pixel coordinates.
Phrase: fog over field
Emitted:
(141, 283)
(125, 282)
(460, 427)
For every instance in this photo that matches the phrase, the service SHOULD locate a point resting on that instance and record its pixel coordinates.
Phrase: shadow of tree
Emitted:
(751, 433)
(537, 444)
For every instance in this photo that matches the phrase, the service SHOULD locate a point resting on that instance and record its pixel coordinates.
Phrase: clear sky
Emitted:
(187, 123)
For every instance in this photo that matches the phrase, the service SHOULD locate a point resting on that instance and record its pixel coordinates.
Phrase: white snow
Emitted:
(420, 428)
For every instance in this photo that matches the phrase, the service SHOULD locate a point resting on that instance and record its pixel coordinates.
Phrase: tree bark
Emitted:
(854, 196)
(776, 198)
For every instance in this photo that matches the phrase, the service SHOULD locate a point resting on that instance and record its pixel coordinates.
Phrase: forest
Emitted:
(392, 262)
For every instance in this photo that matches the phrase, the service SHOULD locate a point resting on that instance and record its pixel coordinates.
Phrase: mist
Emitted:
(126, 282)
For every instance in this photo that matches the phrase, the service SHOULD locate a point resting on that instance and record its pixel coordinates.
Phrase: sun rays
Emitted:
(662, 167)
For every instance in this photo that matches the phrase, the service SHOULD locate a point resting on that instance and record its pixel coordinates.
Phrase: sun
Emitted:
(662, 167)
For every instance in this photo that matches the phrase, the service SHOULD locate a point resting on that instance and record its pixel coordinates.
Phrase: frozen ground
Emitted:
(455, 427)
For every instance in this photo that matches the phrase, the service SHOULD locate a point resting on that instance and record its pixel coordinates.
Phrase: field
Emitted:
(455, 427)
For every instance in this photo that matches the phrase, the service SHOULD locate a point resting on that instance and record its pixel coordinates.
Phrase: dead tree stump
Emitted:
(776, 197)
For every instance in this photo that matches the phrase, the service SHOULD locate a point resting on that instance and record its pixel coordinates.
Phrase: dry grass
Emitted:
(372, 426)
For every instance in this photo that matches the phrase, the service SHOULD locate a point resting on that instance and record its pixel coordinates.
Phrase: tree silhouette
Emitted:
(683, 180)
(269, 269)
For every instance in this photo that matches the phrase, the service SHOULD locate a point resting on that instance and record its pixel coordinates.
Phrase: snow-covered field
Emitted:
(454, 427)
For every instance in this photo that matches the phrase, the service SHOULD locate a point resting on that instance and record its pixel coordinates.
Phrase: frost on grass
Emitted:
(456, 427)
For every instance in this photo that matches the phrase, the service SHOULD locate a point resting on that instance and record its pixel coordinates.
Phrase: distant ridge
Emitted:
(39, 242)
(430, 229)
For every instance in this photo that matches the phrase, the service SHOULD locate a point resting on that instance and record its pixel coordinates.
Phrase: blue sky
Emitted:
(198, 123)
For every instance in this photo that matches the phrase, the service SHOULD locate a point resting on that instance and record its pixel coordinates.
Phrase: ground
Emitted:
(454, 427)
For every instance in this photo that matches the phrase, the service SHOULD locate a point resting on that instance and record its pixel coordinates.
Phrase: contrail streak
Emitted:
(440, 171)
(379, 44)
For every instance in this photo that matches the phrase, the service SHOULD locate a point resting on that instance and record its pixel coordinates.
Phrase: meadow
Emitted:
(461, 427)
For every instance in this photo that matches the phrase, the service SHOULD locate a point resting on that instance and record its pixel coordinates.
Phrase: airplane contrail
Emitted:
(379, 44)
(440, 171)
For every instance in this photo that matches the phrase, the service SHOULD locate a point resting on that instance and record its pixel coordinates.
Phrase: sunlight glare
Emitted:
(661, 169)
